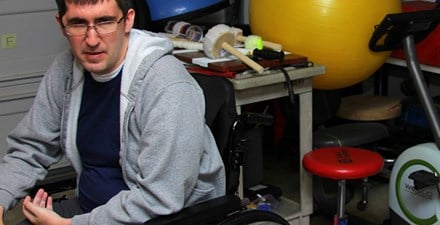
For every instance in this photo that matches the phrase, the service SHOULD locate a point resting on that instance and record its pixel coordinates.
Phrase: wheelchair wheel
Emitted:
(254, 217)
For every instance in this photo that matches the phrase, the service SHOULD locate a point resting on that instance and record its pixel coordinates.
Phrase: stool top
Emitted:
(369, 108)
(343, 163)
(349, 134)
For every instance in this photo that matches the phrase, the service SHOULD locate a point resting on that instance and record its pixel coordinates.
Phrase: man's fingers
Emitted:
(42, 202)
(28, 210)
(40, 208)
(49, 204)
(26, 199)
(38, 196)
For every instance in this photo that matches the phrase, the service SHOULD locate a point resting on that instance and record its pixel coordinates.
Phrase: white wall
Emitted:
(29, 36)
(29, 40)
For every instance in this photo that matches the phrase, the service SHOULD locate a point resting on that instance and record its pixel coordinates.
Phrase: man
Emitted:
(128, 117)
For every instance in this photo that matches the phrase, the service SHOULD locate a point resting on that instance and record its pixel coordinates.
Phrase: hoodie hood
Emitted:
(144, 47)
(142, 44)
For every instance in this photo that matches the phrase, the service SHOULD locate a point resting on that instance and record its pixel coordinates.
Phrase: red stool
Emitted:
(341, 164)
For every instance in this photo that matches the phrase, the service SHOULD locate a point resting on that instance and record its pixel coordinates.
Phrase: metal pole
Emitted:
(422, 90)
(341, 201)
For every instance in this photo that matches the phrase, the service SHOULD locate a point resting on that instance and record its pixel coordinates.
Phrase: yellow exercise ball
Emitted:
(334, 33)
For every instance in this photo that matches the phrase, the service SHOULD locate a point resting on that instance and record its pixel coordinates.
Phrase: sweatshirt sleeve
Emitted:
(34, 145)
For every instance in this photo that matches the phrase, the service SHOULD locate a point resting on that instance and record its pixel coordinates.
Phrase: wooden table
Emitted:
(252, 88)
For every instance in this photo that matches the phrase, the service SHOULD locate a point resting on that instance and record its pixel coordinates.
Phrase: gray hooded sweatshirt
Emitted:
(168, 155)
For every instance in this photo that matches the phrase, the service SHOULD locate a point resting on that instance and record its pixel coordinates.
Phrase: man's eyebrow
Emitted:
(105, 18)
(78, 20)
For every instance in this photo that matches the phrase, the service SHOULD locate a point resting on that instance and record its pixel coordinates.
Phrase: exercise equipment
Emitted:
(414, 182)
(328, 32)
(428, 50)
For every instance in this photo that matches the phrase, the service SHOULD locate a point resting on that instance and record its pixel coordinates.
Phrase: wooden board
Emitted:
(237, 66)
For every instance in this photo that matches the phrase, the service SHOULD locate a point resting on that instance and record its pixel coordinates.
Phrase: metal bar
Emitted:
(420, 84)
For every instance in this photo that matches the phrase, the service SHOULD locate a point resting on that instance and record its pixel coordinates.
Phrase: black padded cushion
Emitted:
(350, 134)
(220, 108)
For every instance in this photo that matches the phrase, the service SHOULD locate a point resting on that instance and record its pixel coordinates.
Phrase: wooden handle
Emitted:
(273, 46)
(252, 64)
(187, 44)
(240, 38)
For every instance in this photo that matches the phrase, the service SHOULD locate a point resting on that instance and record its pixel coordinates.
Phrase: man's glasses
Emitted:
(104, 27)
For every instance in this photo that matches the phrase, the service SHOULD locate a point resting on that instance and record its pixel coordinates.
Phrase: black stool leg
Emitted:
(362, 204)
(340, 217)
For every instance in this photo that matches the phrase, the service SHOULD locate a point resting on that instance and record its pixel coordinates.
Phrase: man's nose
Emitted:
(92, 36)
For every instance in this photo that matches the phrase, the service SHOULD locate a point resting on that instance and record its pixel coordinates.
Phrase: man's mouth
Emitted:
(93, 55)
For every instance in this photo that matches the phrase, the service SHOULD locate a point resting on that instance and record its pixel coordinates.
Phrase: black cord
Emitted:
(289, 85)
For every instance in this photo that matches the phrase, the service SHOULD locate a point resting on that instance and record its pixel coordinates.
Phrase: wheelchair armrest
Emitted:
(208, 211)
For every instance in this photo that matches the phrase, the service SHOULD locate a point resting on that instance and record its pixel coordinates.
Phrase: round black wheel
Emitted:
(253, 216)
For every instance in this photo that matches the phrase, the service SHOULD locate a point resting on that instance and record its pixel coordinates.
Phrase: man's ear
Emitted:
(60, 24)
(129, 20)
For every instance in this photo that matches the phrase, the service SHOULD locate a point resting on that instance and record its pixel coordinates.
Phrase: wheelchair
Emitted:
(229, 130)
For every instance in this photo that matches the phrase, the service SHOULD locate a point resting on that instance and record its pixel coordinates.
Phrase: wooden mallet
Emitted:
(186, 44)
(219, 41)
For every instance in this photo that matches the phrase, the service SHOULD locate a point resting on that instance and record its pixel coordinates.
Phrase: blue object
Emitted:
(171, 9)
(264, 206)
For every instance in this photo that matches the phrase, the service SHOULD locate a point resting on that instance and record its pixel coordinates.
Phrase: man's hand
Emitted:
(2, 210)
(39, 210)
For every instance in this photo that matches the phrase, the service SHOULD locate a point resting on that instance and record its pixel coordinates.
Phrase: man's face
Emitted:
(98, 53)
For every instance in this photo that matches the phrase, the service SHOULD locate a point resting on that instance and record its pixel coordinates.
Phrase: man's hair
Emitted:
(124, 5)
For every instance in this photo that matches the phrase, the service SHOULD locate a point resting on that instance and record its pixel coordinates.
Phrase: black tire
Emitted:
(252, 216)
